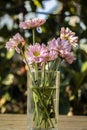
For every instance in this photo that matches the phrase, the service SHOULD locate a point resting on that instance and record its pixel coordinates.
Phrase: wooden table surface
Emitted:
(18, 122)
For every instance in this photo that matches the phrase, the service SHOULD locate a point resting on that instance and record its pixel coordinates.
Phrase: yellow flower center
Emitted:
(36, 54)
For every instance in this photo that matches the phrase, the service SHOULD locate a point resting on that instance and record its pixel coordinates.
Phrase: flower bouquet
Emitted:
(43, 62)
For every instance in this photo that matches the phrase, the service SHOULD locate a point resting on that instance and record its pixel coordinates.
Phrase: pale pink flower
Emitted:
(63, 48)
(51, 55)
(69, 57)
(36, 53)
(32, 23)
(59, 45)
(11, 44)
(14, 42)
(67, 34)
(52, 44)
(18, 38)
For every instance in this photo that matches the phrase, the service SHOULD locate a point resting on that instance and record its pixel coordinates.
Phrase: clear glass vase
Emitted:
(43, 100)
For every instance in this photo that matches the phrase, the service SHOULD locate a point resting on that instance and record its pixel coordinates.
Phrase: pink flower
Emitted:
(36, 53)
(59, 45)
(18, 38)
(69, 57)
(67, 34)
(63, 48)
(51, 55)
(11, 44)
(32, 23)
(52, 44)
(14, 42)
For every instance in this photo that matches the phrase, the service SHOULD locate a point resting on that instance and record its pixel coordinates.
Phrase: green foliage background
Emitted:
(13, 79)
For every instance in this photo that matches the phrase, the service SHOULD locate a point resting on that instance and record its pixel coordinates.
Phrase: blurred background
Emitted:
(13, 74)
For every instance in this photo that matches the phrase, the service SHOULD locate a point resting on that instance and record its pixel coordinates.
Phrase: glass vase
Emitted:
(43, 100)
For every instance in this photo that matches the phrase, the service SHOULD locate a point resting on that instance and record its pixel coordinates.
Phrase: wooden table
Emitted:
(18, 122)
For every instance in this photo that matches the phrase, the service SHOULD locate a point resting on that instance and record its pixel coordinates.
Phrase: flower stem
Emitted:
(43, 76)
(33, 32)
(40, 98)
(24, 57)
(58, 66)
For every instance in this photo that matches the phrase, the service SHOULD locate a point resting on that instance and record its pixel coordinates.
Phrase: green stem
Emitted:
(43, 76)
(59, 64)
(36, 72)
(40, 98)
(51, 94)
(24, 57)
(33, 32)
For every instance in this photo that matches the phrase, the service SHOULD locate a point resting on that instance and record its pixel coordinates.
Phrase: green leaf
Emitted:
(7, 96)
(37, 3)
(84, 67)
(83, 47)
(10, 54)
(9, 79)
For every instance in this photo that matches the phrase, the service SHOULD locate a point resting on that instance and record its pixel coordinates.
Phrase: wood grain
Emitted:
(19, 122)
